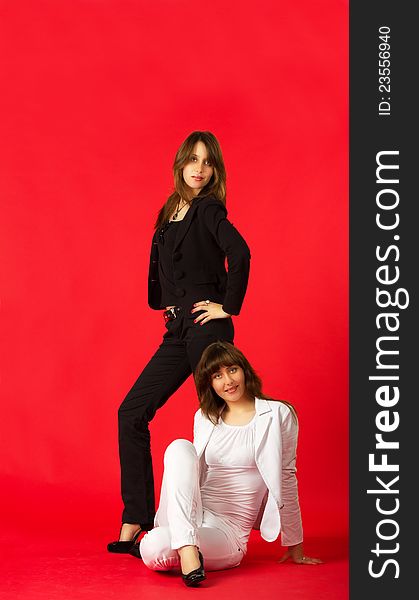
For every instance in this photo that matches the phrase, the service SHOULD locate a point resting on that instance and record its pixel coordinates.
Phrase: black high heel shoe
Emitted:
(194, 578)
(135, 550)
(125, 547)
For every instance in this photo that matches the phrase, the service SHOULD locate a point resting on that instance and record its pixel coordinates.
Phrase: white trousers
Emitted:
(181, 518)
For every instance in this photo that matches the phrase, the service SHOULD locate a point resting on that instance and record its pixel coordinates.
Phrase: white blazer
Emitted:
(275, 455)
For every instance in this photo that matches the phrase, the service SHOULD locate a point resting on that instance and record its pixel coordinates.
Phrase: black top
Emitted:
(166, 241)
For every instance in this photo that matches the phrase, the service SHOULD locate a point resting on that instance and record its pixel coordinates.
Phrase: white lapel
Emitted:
(203, 434)
(264, 417)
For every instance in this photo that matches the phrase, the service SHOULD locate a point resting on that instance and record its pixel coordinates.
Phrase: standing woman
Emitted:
(187, 278)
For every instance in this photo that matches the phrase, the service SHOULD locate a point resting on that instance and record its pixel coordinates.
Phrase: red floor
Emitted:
(64, 568)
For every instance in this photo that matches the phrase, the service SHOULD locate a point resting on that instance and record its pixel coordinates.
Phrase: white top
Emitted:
(233, 488)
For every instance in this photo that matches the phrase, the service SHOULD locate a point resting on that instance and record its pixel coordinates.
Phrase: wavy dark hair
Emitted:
(216, 185)
(223, 354)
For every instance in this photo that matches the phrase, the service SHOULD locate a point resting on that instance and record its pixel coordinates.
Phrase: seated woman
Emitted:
(238, 474)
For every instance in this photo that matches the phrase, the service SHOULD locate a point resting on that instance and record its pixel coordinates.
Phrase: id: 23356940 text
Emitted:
(384, 81)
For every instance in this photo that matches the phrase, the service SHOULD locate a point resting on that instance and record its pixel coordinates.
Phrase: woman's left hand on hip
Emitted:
(212, 310)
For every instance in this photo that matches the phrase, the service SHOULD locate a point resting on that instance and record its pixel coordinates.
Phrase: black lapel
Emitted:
(185, 223)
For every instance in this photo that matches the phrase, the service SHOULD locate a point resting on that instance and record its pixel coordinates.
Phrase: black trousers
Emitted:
(175, 359)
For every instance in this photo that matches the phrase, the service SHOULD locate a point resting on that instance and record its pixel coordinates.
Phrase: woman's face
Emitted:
(229, 383)
(198, 171)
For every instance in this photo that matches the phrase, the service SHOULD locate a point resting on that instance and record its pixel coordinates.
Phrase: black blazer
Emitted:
(205, 238)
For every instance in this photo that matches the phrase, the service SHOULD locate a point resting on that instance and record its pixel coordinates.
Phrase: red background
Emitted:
(97, 96)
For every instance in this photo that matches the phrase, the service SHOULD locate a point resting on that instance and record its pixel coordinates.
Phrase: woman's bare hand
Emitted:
(212, 310)
(296, 554)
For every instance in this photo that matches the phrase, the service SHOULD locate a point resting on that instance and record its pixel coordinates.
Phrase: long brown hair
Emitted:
(223, 354)
(216, 185)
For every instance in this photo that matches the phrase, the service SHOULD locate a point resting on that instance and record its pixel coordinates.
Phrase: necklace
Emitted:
(178, 209)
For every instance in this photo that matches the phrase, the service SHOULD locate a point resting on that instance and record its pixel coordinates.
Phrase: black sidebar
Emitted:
(384, 271)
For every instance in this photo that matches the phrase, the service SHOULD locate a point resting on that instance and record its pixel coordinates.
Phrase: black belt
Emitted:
(171, 313)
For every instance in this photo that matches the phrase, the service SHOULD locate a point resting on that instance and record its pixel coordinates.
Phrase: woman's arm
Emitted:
(154, 287)
(237, 252)
(291, 524)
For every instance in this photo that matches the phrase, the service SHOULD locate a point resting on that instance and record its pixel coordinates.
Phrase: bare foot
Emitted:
(128, 531)
(189, 559)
